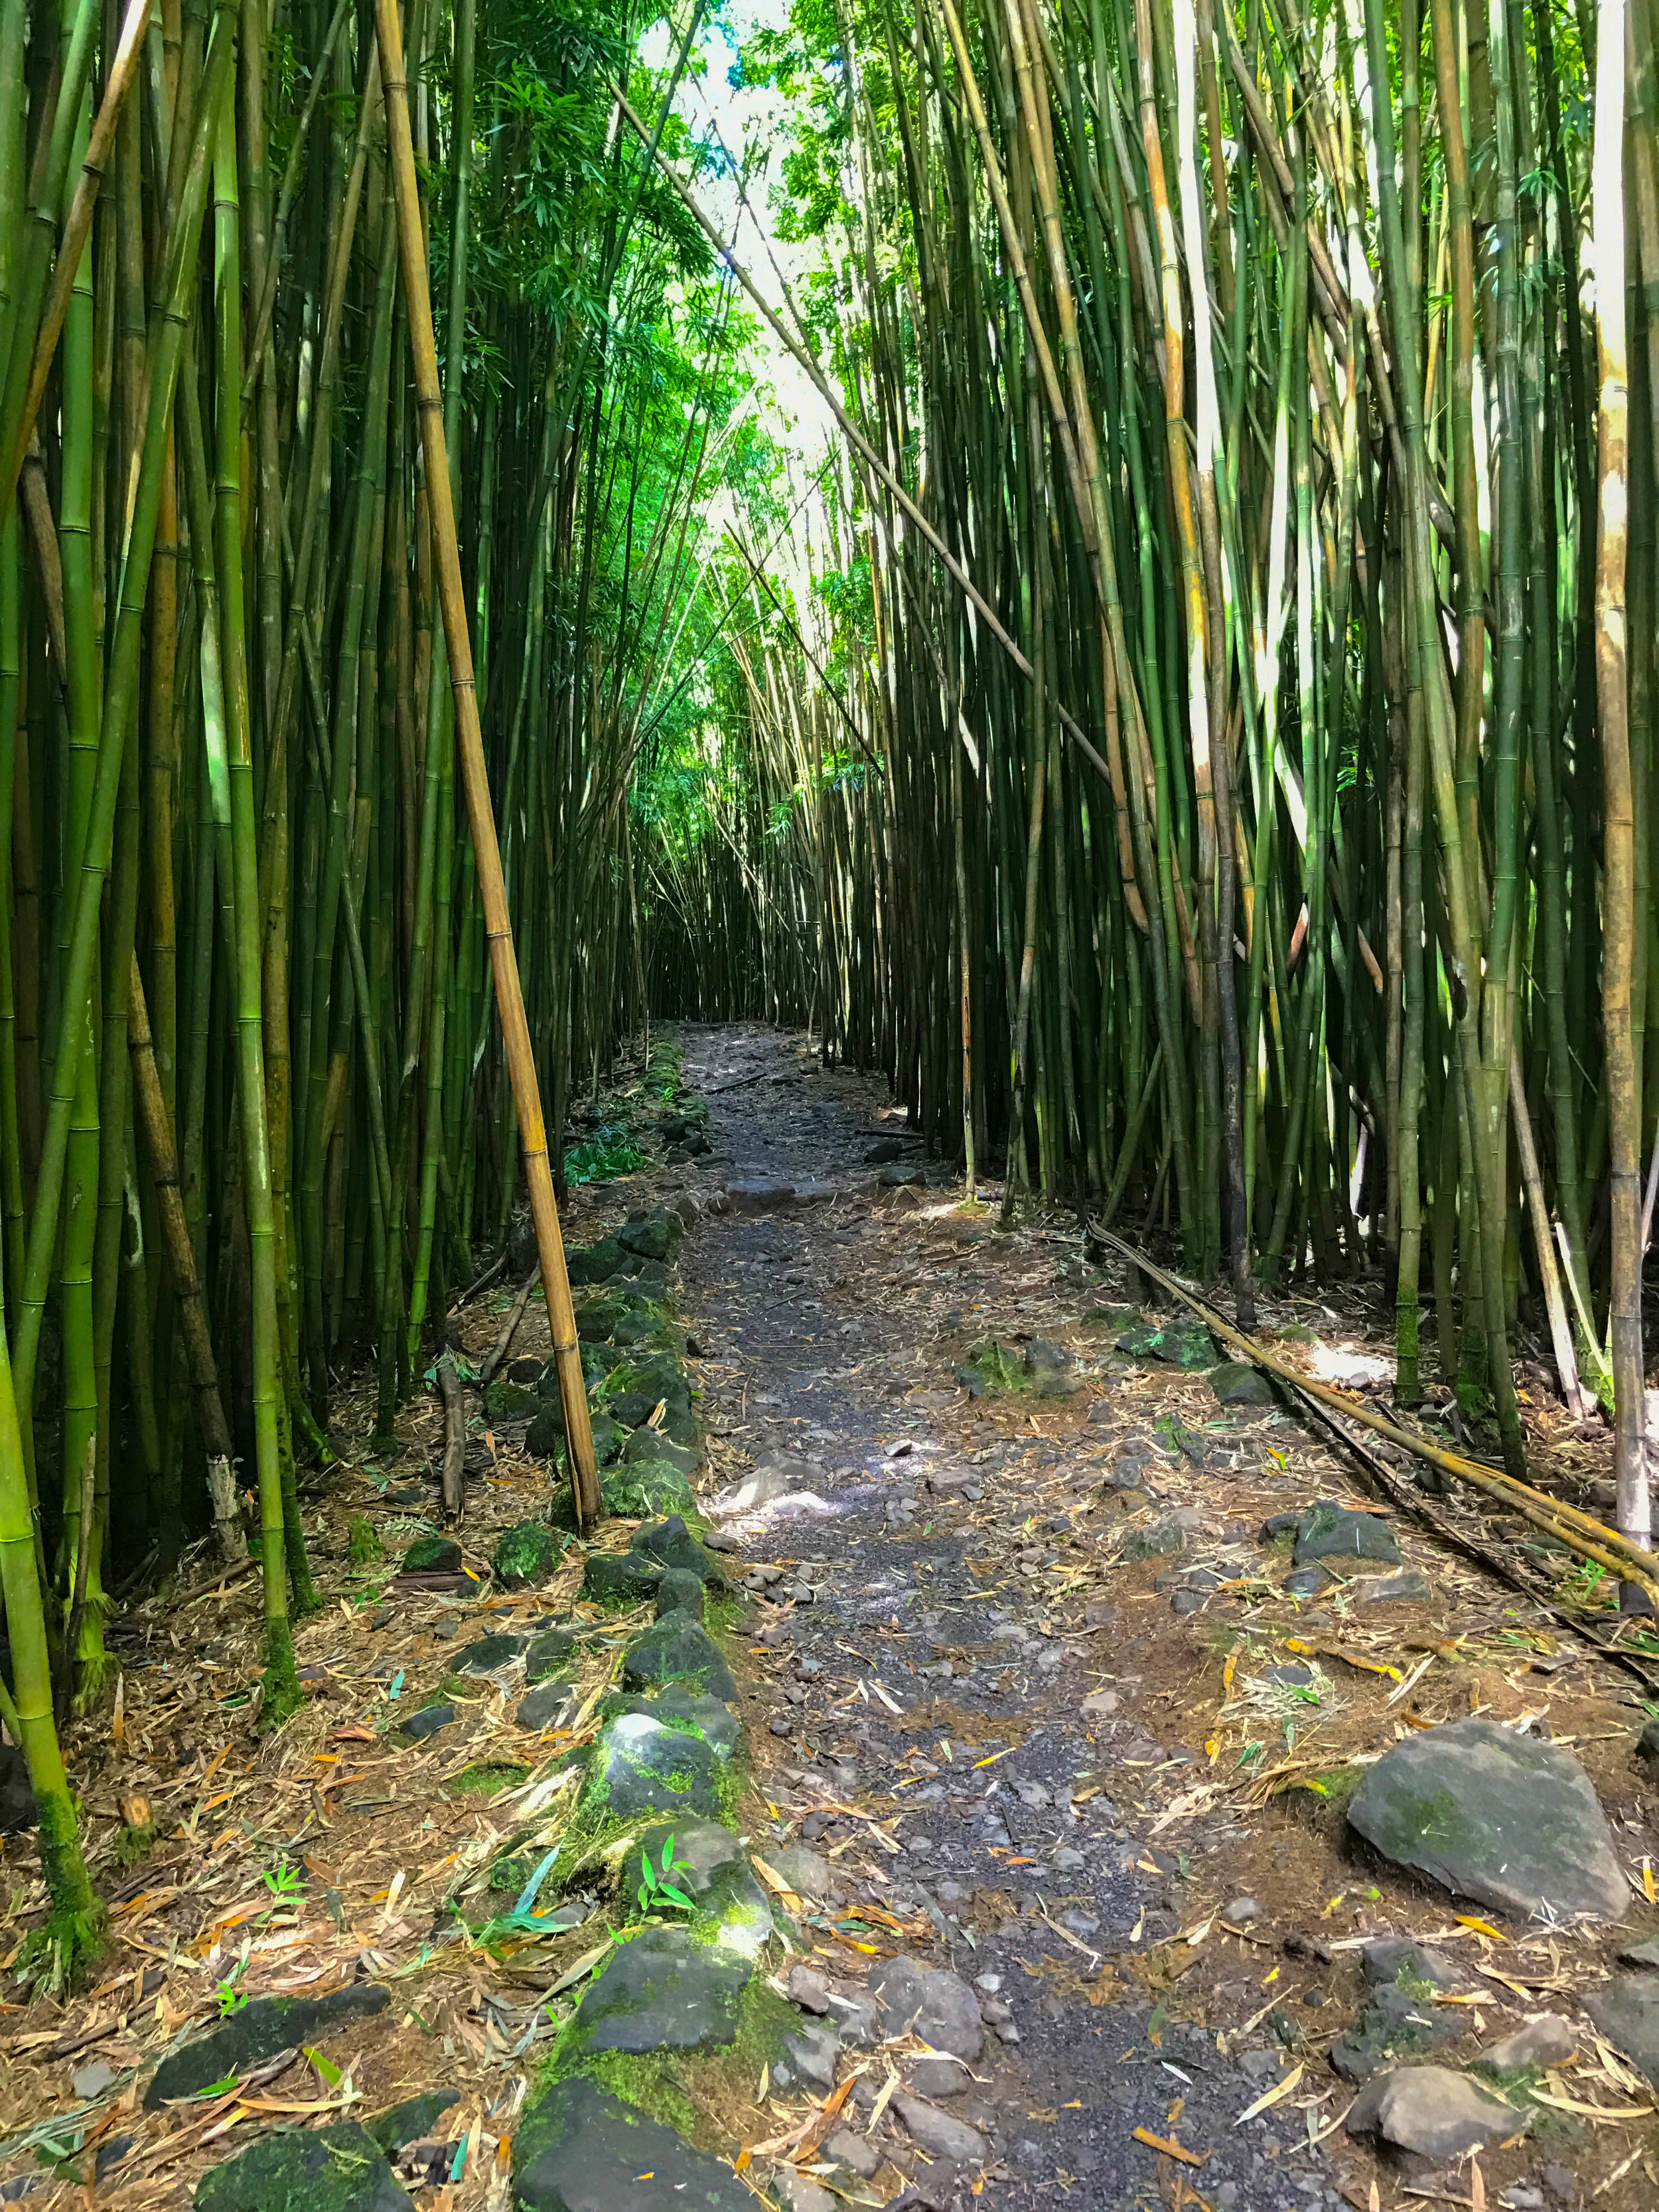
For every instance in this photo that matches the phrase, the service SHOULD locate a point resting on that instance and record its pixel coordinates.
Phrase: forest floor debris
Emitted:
(1057, 1697)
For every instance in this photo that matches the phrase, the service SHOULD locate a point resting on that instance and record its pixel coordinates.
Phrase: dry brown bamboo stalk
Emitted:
(454, 1466)
(164, 1173)
(498, 927)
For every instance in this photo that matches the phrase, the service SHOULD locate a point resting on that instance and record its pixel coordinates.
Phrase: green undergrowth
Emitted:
(365, 1546)
(708, 2097)
(997, 1370)
(608, 1153)
(485, 1777)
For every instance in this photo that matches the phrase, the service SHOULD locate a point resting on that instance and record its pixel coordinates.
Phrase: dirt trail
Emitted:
(1029, 1699)
(1077, 1861)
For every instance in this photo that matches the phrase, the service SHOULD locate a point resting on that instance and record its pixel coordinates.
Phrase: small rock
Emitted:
(941, 2133)
(809, 1989)
(1242, 1910)
(1626, 2010)
(1330, 1531)
(1155, 1541)
(1308, 1582)
(1433, 2112)
(1236, 1383)
(1501, 1817)
(764, 1485)
(1409, 1587)
(800, 2192)
(93, 2079)
(1561, 2183)
(1647, 1744)
(937, 2005)
(1548, 2041)
(807, 1873)
(543, 1705)
(934, 2076)
(853, 2152)
(428, 1721)
(812, 2053)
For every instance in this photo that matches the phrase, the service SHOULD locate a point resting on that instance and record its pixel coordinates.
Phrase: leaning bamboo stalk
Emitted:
(164, 1175)
(1580, 1531)
(498, 928)
(122, 69)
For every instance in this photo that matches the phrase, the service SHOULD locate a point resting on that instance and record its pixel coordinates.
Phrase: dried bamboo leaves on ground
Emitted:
(1062, 1668)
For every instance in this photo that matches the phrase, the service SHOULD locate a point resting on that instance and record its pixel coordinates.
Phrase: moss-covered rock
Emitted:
(993, 1369)
(580, 2148)
(510, 1401)
(363, 1546)
(487, 1778)
(264, 2027)
(681, 1592)
(620, 1578)
(662, 1990)
(654, 1445)
(594, 1263)
(711, 1867)
(645, 1486)
(1185, 1344)
(692, 1710)
(679, 1650)
(433, 1555)
(547, 1652)
(641, 1766)
(338, 2169)
(528, 1552)
(671, 1544)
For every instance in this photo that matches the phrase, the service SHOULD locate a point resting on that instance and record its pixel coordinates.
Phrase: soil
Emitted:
(956, 1577)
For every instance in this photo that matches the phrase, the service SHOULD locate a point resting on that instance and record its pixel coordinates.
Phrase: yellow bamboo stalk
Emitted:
(498, 927)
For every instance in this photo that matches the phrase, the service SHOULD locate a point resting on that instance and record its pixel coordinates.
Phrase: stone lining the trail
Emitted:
(1498, 1817)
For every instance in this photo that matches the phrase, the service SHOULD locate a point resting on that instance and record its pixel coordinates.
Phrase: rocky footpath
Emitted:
(992, 1753)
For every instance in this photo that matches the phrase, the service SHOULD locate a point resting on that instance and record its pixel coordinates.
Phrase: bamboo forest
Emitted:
(826, 878)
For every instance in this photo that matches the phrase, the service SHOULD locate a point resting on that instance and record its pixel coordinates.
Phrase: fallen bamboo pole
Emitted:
(503, 1343)
(498, 927)
(1581, 1532)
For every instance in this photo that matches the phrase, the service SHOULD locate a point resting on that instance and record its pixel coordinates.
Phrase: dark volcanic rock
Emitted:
(1495, 1816)
(680, 1591)
(414, 2117)
(579, 2149)
(1626, 2010)
(671, 1544)
(619, 1578)
(433, 1555)
(665, 1990)
(338, 2169)
(679, 1650)
(1329, 1531)
(526, 1553)
(428, 1722)
(1432, 2112)
(1236, 1382)
(939, 2004)
(642, 1766)
(264, 2027)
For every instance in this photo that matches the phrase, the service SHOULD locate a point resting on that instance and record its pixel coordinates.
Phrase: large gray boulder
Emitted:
(1498, 1817)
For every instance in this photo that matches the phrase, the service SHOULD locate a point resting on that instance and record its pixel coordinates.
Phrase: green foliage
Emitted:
(657, 1890)
(365, 1546)
(611, 1151)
